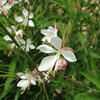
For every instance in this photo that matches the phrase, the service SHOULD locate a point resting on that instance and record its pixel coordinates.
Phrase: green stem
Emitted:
(38, 94)
(7, 76)
(45, 91)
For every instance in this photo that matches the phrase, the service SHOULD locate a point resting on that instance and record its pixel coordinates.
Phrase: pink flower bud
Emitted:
(62, 65)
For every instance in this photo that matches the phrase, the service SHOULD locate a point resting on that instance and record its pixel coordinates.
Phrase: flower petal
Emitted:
(44, 38)
(46, 63)
(32, 46)
(25, 12)
(19, 19)
(56, 65)
(56, 42)
(13, 28)
(27, 48)
(2, 2)
(9, 29)
(45, 32)
(12, 45)
(22, 75)
(19, 33)
(7, 38)
(22, 41)
(7, 6)
(30, 23)
(23, 83)
(46, 49)
(31, 15)
(50, 27)
(28, 41)
(69, 55)
(33, 81)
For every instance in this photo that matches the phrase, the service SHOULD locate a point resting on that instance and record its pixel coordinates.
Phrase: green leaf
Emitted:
(81, 38)
(85, 96)
(95, 55)
(94, 78)
(9, 79)
(70, 24)
(17, 95)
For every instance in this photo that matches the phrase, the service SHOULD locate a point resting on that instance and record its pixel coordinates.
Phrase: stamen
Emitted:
(67, 49)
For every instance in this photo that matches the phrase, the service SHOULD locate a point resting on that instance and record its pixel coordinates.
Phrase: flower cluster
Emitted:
(49, 64)
(18, 36)
(58, 55)
(26, 19)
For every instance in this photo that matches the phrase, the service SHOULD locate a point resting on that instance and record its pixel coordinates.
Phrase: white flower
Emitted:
(49, 62)
(28, 45)
(27, 80)
(24, 19)
(4, 6)
(49, 33)
(26, 1)
(20, 33)
(6, 37)
(18, 36)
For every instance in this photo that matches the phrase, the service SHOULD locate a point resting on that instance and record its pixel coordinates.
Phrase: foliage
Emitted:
(78, 25)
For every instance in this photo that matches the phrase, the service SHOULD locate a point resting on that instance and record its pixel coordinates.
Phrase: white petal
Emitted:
(33, 81)
(19, 19)
(22, 75)
(7, 38)
(27, 1)
(19, 74)
(14, 28)
(32, 46)
(50, 27)
(19, 33)
(44, 38)
(69, 55)
(56, 42)
(7, 6)
(25, 12)
(2, 2)
(45, 32)
(25, 22)
(54, 61)
(46, 49)
(46, 63)
(28, 41)
(47, 37)
(31, 15)
(23, 83)
(22, 41)
(31, 23)
(58, 55)
(27, 48)
(9, 29)
(12, 45)
(15, 2)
